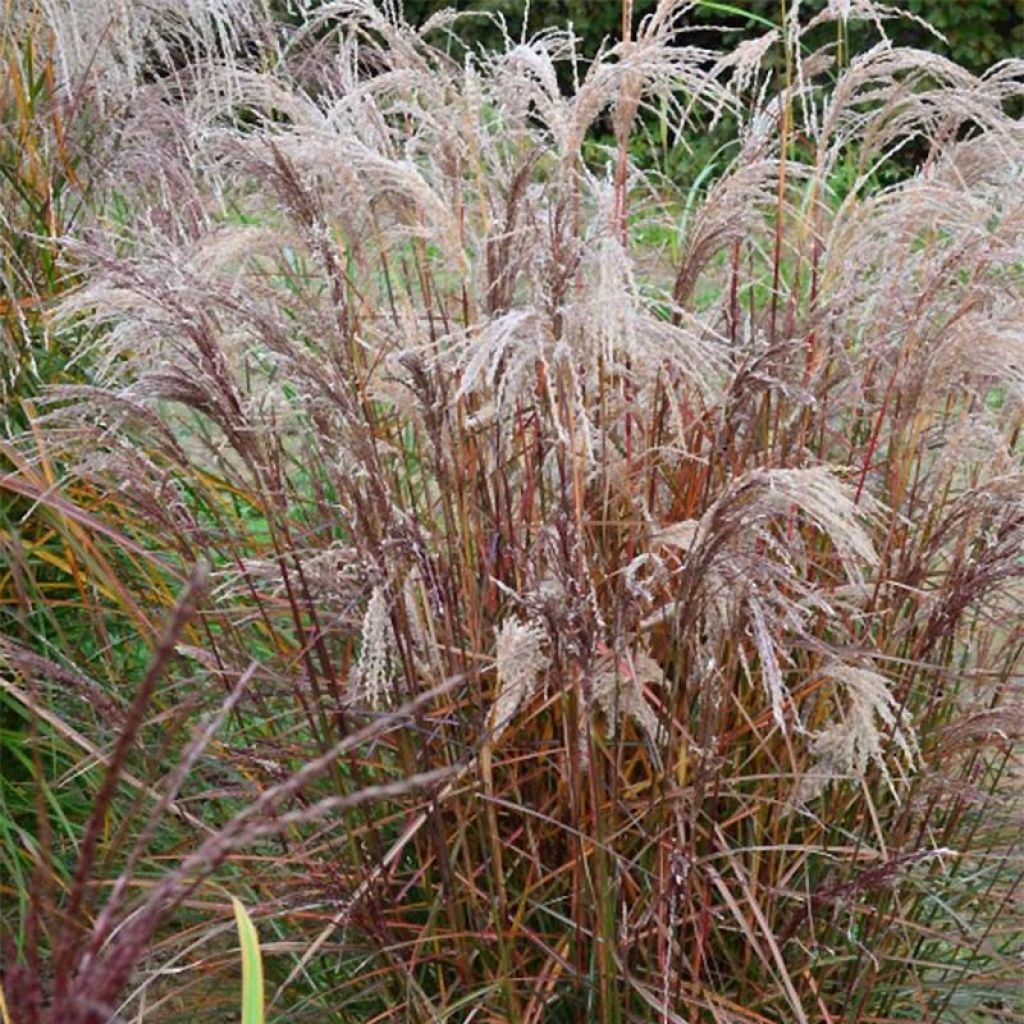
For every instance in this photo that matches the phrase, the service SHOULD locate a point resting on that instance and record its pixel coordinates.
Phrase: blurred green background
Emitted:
(979, 32)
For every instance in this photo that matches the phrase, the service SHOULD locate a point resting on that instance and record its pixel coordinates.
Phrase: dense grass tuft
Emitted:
(538, 589)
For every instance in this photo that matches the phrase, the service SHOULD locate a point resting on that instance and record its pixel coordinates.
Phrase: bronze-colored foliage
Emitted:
(614, 584)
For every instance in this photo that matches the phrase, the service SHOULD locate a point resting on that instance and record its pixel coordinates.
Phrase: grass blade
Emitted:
(252, 966)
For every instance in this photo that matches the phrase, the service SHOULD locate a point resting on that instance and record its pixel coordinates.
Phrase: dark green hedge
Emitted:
(980, 32)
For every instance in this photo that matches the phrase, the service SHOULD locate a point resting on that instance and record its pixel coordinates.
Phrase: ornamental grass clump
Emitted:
(610, 603)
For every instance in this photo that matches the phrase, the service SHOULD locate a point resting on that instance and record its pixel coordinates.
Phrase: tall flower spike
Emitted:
(372, 684)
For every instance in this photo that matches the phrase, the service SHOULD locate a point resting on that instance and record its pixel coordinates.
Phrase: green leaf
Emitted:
(737, 12)
(252, 966)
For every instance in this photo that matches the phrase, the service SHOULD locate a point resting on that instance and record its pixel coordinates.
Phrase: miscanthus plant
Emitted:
(571, 594)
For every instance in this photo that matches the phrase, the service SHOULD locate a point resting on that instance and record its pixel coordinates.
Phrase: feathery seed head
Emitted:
(520, 662)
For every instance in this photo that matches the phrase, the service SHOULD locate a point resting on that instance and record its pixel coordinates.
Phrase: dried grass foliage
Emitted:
(697, 620)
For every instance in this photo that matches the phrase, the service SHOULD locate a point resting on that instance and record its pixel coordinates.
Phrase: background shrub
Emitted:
(977, 34)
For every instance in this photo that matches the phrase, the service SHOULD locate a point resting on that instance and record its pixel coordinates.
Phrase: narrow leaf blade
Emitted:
(252, 966)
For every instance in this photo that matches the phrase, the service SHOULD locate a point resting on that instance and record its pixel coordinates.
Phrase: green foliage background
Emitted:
(979, 32)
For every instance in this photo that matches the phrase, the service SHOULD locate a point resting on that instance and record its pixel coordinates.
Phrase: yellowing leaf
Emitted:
(252, 966)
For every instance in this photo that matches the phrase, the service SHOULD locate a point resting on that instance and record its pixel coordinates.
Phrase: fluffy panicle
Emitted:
(120, 41)
(371, 681)
(617, 689)
(519, 663)
(869, 724)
